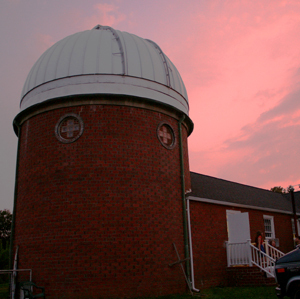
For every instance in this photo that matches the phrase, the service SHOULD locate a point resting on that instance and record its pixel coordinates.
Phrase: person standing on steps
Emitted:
(260, 242)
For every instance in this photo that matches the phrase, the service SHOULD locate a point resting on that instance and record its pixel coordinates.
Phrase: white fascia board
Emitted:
(105, 84)
(232, 204)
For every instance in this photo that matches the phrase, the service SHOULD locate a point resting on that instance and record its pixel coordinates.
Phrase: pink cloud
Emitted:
(43, 42)
(105, 14)
(245, 105)
(239, 61)
(264, 153)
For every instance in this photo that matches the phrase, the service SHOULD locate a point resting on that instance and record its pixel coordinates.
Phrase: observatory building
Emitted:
(102, 169)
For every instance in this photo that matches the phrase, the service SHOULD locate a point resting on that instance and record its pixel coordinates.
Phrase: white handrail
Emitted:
(247, 254)
(272, 251)
(262, 260)
(12, 273)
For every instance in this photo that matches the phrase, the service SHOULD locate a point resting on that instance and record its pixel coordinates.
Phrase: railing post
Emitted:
(266, 245)
(249, 253)
(228, 254)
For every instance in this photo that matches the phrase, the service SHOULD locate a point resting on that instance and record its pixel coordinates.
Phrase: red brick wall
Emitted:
(248, 276)
(97, 217)
(208, 226)
(282, 226)
(209, 233)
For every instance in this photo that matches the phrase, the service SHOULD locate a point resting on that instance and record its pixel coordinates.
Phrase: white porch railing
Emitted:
(238, 254)
(272, 251)
(247, 254)
(263, 261)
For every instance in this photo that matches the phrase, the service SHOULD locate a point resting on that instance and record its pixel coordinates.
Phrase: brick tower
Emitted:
(102, 168)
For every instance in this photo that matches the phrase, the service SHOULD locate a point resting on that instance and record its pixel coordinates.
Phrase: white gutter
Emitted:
(191, 245)
(237, 205)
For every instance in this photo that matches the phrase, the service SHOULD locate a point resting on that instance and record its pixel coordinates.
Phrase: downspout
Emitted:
(12, 234)
(294, 211)
(191, 246)
(185, 230)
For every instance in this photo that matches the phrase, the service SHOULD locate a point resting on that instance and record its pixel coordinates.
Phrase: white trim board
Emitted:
(238, 205)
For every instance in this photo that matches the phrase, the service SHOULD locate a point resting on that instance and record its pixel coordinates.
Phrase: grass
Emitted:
(4, 293)
(230, 293)
(237, 293)
(214, 293)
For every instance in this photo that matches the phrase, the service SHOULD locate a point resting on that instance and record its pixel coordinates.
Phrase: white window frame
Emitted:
(272, 231)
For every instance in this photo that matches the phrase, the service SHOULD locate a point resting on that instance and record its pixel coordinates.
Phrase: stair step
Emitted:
(248, 276)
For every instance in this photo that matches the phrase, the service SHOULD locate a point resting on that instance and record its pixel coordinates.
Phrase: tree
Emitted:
(5, 226)
(4, 263)
(5, 231)
(290, 188)
(278, 189)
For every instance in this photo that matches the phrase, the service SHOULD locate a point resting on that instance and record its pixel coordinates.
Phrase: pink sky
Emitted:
(239, 61)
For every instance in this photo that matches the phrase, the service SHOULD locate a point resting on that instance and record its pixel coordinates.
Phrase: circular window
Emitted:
(166, 135)
(69, 128)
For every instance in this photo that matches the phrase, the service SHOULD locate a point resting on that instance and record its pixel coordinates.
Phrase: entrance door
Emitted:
(238, 234)
(238, 227)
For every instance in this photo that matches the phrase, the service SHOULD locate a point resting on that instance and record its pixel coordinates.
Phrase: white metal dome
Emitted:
(105, 61)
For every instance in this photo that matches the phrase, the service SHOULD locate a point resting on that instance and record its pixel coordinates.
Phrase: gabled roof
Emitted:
(230, 193)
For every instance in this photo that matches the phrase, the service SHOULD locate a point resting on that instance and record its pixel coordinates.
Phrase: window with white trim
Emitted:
(269, 227)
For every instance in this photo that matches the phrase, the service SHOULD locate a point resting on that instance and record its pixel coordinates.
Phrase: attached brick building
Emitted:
(211, 200)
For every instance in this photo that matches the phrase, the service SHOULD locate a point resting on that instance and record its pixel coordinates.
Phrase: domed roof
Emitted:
(105, 61)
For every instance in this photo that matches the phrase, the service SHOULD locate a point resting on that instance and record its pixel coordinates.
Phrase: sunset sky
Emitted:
(239, 60)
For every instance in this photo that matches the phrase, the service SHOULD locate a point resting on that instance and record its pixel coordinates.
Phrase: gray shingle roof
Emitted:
(208, 187)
